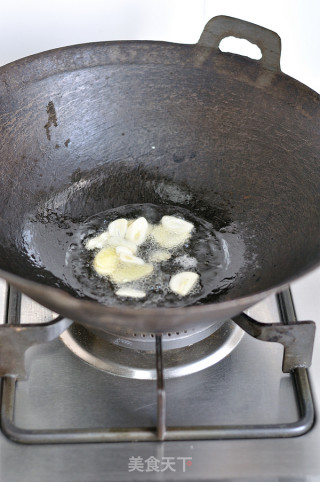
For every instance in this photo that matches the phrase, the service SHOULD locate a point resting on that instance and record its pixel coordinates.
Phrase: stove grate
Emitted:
(29, 335)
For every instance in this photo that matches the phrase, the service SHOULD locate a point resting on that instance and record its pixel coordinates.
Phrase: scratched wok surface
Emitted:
(92, 127)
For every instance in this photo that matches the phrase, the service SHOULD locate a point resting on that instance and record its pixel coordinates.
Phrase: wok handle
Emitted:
(268, 41)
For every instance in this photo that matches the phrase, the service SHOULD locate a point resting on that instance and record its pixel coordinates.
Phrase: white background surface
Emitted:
(28, 27)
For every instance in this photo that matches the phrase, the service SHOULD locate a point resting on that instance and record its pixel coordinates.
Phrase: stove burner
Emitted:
(135, 357)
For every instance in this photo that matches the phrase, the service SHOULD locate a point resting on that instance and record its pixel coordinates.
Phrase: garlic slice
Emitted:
(130, 258)
(168, 239)
(177, 225)
(131, 272)
(117, 242)
(159, 255)
(182, 283)
(105, 262)
(137, 231)
(123, 250)
(98, 242)
(130, 293)
(118, 227)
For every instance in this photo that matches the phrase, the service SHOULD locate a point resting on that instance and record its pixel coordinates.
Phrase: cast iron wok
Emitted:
(92, 127)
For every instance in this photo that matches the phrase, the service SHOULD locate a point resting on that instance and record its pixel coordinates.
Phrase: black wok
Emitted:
(93, 127)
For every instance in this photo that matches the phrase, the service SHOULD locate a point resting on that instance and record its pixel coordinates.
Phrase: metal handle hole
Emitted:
(240, 46)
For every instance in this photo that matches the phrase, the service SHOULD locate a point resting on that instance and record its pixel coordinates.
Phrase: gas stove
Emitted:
(233, 413)
(239, 416)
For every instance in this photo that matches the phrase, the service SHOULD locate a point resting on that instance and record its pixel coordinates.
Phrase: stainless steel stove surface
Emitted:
(245, 388)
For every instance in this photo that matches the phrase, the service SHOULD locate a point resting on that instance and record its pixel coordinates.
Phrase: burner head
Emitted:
(133, 355)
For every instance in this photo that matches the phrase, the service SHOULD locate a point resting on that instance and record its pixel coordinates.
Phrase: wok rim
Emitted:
(65, 50)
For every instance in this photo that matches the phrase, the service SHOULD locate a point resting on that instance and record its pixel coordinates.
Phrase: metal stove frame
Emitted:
(296, 337)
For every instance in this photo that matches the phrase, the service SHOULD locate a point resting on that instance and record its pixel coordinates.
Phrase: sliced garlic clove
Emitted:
(168, 239)
(130, 293)
(118, 227)
(130, 258)
(131, 272)
(116, 242)
(123, 250)
(177, 225)
(105, 262)
(160, 255)
(98, 242)
(182, 283)
(137, 231)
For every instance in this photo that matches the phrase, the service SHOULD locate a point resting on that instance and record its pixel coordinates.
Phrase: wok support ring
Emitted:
(297, 339)
(15, 341)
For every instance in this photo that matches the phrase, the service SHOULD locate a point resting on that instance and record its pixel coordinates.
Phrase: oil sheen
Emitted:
(207, 252)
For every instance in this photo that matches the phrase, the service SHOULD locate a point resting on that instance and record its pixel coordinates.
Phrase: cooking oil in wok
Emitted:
(165, 270)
